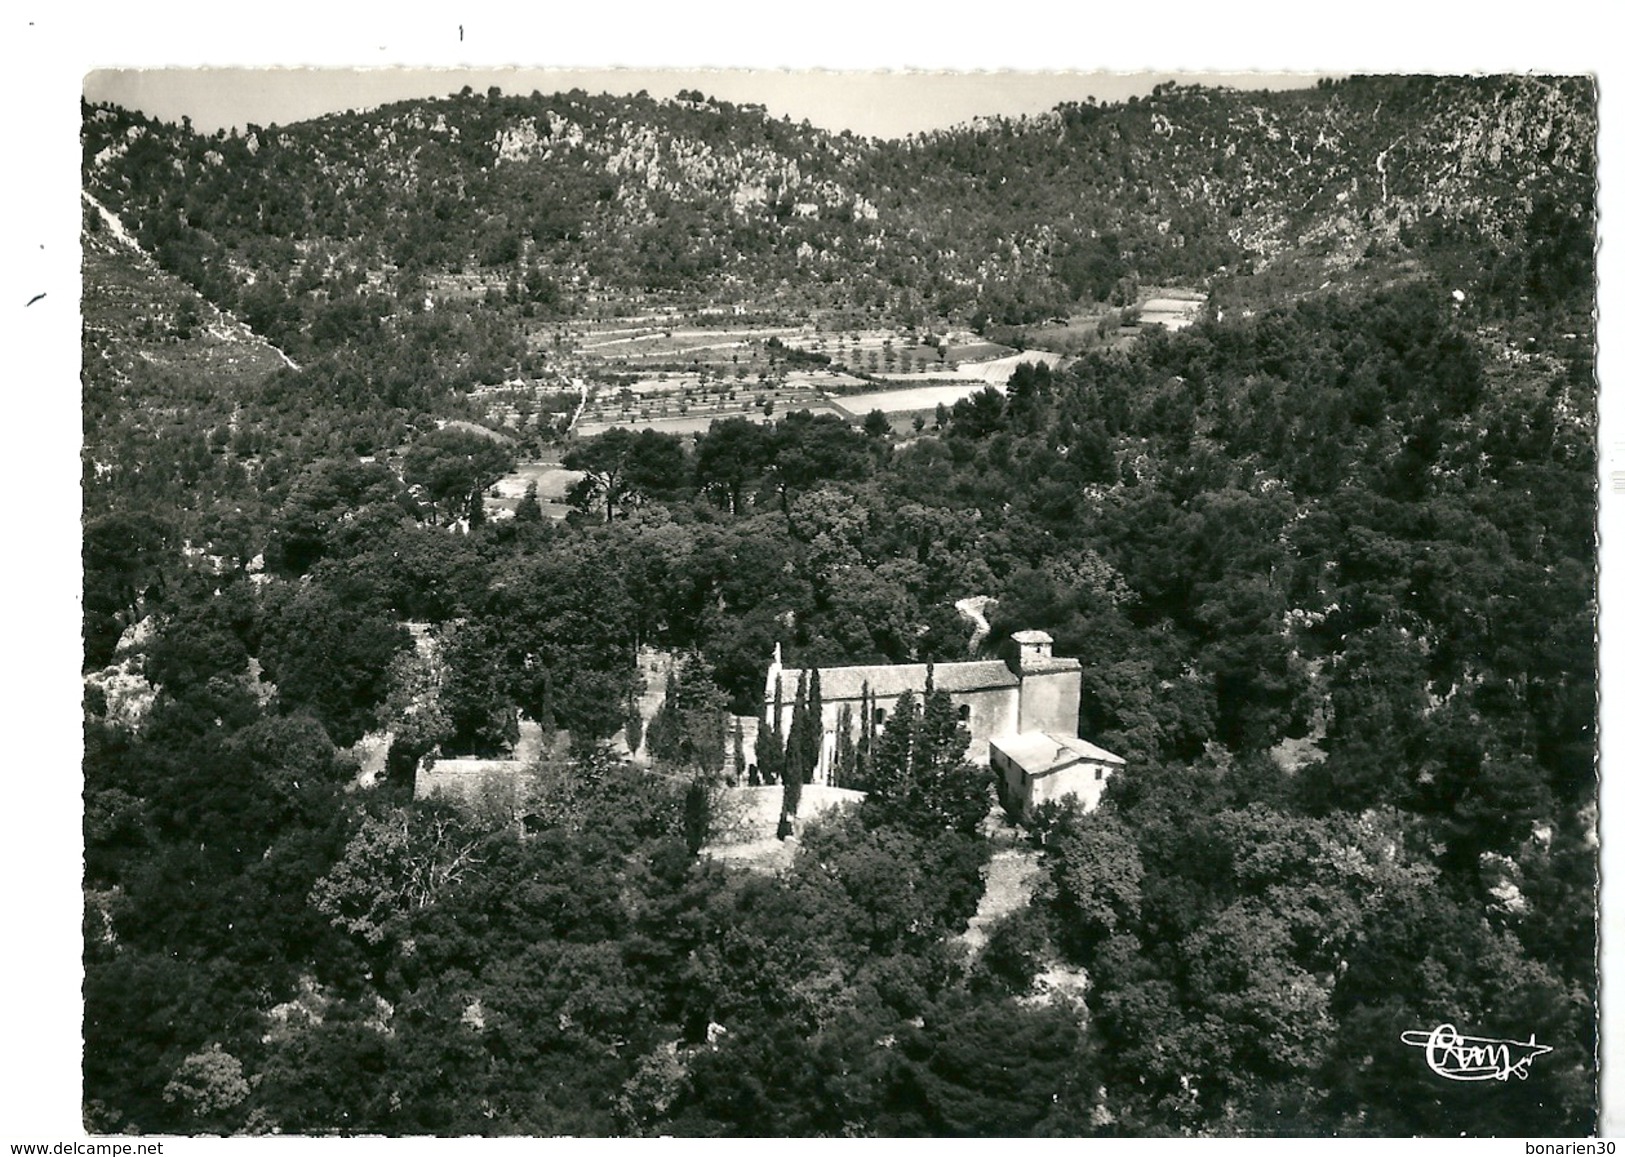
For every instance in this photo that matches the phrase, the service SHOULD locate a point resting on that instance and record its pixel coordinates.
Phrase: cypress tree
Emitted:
(769, 739)
(759, 760)
(891, 762)
(795, 758)
(919, 778)
(866, 739)
(926, 739)
(705, 728)
(792, 802)
(548, 725)
(696, 815)
(634, 729)
(846, 750)
(795, 744)
(790, 764)
(691, 727)
(738, 752)
(942, 738)
(813, 735)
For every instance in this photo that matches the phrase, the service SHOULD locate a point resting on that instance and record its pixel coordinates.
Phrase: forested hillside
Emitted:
(1327, 557)
(321, 228)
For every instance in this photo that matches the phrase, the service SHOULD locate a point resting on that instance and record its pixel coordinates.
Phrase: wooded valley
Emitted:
(1327, 555)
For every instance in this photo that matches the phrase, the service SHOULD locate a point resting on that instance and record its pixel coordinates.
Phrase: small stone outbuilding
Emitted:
(1037, 767)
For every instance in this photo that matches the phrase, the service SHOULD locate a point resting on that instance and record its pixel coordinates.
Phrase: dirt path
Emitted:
(975, 609)
(1010, 878)
(655, 667)
(747, 823)
(115, 227)
(234, 329)
(575, 418)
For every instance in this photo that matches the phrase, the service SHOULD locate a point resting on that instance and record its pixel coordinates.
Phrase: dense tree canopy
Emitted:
(1327, 560)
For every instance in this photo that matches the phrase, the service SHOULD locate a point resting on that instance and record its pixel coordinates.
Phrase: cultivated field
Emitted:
(523, 405)
(658, 375)
(687, 403)
(1174, 309)
(907, 401)
(698, 421)
(677, 344)
(964, 382)
(552, 480)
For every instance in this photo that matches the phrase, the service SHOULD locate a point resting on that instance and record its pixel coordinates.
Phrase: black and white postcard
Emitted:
(642, 600)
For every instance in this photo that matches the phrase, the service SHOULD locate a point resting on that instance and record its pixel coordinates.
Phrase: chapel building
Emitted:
(1022, 720)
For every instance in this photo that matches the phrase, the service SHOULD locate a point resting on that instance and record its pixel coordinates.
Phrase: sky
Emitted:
(49, 50)
(891, 103)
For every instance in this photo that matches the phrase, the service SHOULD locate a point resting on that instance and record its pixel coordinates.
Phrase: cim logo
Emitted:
(1474, 1058)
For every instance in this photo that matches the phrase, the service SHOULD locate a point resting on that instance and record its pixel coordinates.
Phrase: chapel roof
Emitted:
(889, 680)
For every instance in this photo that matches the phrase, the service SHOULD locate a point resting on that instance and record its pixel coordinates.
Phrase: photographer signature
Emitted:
(1474, 1058)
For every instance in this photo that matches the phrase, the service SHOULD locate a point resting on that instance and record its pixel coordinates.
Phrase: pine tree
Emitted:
(919, 777)
(530, 506)
(665, 733)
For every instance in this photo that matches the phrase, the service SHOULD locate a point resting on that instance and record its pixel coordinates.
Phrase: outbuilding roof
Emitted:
(1042, 752)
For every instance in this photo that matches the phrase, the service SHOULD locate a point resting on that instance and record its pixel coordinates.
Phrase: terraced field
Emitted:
(942, 389)
(697, 421)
